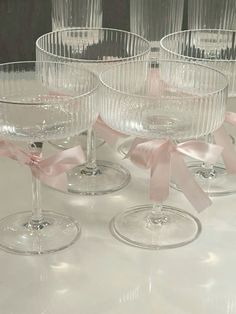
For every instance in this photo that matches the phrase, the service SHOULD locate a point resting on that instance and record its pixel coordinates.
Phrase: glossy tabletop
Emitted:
(101, 275)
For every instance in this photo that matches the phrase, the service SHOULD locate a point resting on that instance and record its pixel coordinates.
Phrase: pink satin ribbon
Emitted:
(230, 117)
(166, 160)
(108, 134)
(52, 170)
(223, 139)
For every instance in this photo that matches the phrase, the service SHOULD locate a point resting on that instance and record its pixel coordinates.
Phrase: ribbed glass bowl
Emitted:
(162, 99)
(95, 48)
(213, 47)
(43, 101)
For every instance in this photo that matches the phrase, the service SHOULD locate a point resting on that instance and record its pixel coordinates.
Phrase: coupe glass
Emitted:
(161, 100)
(76, 13)
(214, 14)
(96, 49)
(215, 48)
(42, 101)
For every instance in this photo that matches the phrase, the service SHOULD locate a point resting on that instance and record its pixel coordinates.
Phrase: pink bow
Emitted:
(51, 170)
(166, 159)
(108, 134)
(223, 139)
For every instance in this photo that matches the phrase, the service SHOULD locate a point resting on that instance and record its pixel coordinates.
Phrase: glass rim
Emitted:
(91, 29)
(14, 102)
(224, 88)
(201, 30)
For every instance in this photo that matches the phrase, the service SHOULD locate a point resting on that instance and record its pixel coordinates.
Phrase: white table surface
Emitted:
(100, 275)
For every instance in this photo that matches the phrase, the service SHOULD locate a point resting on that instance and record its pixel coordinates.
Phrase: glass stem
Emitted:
(156, 210)
(36, 201)
(91, 165)
(37, 217)
(91, 149)
(207, 170)
(157, 216)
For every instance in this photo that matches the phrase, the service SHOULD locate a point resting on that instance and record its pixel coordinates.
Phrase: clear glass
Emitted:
(96, 49)
(154, 19)
(42, 101)
(214, 14)
(76, 13)
(215, 48)
(160, 100)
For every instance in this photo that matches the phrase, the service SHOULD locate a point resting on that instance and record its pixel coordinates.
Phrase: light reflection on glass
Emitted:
(80, 201)
(60, 266)
(130, 296)
(150, 284)
(230, 306)
(209, 284)
(62, 291)
(212, 259)
(225, 304)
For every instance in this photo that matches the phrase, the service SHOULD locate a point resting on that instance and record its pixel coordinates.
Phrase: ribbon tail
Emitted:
(58, 182)
(7, 149)
(228, 154)
(62, 161)
(185, 181)
(200, 151)
(52, 171)
(160, 178)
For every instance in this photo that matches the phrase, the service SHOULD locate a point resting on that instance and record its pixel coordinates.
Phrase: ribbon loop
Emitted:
(52, 170)
(200, 150)
(108, 134)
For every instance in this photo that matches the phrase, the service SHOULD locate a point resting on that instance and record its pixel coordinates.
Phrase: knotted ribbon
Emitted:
(223, 139)
(51, 170)
(166, 160)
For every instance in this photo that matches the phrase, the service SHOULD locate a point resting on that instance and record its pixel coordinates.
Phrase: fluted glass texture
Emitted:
(219, 14)
(95, 48)
(215, 48)
(45, 100)
(76, 13)
(174, 99)
(154, 19)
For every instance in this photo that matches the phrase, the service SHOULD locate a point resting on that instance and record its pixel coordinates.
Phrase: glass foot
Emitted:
(108, 177)
(219, 183)
(56, 232)
(173, 228)
(80, 139)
